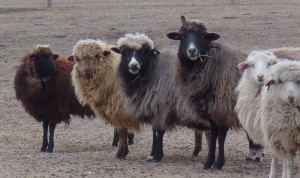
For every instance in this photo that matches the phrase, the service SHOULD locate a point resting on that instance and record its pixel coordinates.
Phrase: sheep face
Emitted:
(89, 57)
(42, 62)
(257, 66)
(286, 91)
(136, 60)
(194, 39)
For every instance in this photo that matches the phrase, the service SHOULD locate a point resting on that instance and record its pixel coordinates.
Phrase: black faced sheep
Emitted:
(43, 84)
(147, 77)
(280, 115)
(94, 77)
(207, 76)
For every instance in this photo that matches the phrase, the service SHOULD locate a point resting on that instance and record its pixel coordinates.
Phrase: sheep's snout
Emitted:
(291, 98)
(260, 77)
(193, 52)
(134, 66)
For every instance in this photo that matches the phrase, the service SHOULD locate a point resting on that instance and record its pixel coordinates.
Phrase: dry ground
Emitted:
(84, 148)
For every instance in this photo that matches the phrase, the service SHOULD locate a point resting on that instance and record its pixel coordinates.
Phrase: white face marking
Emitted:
(133, 63)
(192, 46)
(287, 90)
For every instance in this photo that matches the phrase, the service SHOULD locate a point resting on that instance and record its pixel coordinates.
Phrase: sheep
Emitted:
(43, 85)
(256, 69)
(206, 76)
(280, 115)
(94, 77)
(147, 78)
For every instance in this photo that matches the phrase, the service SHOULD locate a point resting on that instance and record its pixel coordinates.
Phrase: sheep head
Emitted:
(284, 82)
(42, 62)
(257, 66)
(89, 55)
(195, 41)
(136, 51)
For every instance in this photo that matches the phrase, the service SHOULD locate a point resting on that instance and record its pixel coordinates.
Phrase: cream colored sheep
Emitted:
(94, 77)
(280, 115)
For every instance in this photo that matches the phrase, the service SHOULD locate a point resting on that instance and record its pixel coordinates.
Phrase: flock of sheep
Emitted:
(205, 85)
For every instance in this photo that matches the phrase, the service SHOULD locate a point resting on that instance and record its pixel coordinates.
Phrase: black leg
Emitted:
(116, 137)
(51, 138)
(130, 138)
(221, 155)
(154, 141)
(212, 147)
(159, 146)
(45, 136)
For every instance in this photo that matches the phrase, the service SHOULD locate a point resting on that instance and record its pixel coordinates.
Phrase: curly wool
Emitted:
(135, 41)
(102, 94)
(280, 120)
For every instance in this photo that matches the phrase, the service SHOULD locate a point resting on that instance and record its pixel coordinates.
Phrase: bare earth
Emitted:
(83, 149)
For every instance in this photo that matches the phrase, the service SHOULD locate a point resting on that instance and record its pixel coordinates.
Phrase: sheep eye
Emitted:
(252, 65)
(279, 81)
(298, 82)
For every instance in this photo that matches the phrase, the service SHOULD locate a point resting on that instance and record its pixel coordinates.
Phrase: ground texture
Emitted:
(83, 149)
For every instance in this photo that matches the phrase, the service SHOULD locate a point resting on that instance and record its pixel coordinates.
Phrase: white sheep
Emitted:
(280, 115)
(255, 70)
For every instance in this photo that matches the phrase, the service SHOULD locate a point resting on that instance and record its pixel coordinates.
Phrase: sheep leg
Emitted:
(51, 137)
(284, 168)
(159, 153)
(116, 138)
(222, 133)
(273, 170)
(154, 141)
(123, 146)
(198, 142)
(289, 161)
(212, 147)
(130, 138)
(256, 151)
(45, 136)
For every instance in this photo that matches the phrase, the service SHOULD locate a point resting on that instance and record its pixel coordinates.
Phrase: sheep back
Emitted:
(287, 53)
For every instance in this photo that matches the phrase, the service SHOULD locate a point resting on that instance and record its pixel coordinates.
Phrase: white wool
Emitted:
(249, 96)
(135, 41)
(280, 121)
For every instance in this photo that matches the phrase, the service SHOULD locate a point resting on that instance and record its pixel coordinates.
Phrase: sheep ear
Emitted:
(174, 36)
(115, 49)
(55, 56)
(71, 58)
(106, 53)
(155, 52)
(243, 66)
(212, 36)
(269, 83)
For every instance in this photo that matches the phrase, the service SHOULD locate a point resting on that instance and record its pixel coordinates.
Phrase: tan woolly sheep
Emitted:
(94, 77)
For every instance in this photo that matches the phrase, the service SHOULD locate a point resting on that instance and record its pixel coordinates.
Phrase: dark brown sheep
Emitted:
(43, 85)
(207, 76)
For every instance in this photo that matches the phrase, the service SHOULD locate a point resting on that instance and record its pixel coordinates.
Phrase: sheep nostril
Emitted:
(291, 98)
(192, 50)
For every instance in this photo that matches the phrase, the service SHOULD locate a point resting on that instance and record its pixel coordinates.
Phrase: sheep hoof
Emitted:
(149, 158)
(207, 165)
(216, 167)
(49, 150)
(121, 157)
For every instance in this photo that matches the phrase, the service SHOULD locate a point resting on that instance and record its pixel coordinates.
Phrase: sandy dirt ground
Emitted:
(83, 149)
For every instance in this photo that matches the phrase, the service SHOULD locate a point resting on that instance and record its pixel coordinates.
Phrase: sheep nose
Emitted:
(192, 50)
(291, 98)
(260, 77)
